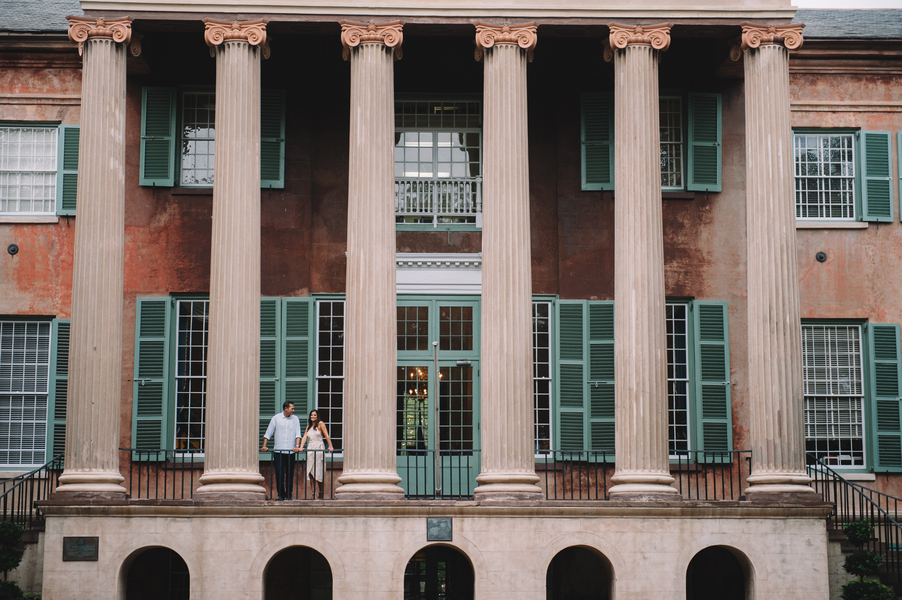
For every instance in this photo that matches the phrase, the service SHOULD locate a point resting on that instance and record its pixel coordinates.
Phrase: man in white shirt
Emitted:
(287, 430)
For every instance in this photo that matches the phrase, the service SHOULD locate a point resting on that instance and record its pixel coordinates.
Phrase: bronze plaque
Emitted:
(81, 548)
(438, 529)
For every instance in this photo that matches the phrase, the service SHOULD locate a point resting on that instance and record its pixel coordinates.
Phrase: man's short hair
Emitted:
(286, 404)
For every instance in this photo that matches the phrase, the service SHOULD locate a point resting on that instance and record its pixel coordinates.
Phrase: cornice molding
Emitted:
(656, 36)
(353, 34)
(82, 29)
(217, 33)
(754, 35)
(489, 34)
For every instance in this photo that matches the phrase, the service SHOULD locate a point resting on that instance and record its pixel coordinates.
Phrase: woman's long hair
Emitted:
(310, 423)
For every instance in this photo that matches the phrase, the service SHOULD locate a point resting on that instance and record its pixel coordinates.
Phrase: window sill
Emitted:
(33, 219)
(443, 227)
(831, 225)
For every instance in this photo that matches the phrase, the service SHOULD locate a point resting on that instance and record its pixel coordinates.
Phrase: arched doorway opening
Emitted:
(158, 574)
(578, 573)
(438, 573)
(298, 573)
(718, 573)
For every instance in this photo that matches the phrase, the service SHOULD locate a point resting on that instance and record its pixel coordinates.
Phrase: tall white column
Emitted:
(640, 359)
(508, 448)
(231, 463)
(95, 350)
(776, 400)
(370, 463)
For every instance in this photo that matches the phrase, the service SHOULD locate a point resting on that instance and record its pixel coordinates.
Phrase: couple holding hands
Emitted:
(286, 428)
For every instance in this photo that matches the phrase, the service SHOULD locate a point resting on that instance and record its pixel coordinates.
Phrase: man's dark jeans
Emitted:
(283, 464)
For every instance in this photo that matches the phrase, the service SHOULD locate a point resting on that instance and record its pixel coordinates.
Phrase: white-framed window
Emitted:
(24, 389)
(678, 402)
(330, 371)
(198, 138)
(28, 169)
(542, 374)
(192, 329)
(438, 162)
(671, 119)
(825, 175)
(834, 393)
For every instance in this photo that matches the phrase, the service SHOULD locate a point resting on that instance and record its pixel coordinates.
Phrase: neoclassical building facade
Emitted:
(537, 267)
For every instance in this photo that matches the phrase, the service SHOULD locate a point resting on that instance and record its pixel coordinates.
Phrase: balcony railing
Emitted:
(452, 478)
(439, 200)
(698, 474)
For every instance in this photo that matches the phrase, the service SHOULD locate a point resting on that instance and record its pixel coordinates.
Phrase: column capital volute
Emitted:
(754, 35)
(217, 33)
(656, 36)
(522, 34)
(353, 34)
(82, 29)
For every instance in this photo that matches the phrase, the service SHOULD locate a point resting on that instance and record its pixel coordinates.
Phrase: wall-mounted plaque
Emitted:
(81, 548)
(438, 530)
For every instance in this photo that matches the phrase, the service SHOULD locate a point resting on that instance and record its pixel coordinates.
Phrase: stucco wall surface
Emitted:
(227, 556)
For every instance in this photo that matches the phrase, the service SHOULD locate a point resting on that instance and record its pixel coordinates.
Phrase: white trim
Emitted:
(831, 224)
(438, 273)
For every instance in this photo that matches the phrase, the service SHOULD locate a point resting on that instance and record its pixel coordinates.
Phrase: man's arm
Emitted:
(268, 435)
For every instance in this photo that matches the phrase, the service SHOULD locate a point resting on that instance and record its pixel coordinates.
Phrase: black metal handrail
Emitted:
(19, 495)
(698, 474)
(159, 474)
(854, 502)
(454, 479)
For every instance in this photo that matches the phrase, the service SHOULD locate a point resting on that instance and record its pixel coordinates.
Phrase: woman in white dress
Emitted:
(316, 457)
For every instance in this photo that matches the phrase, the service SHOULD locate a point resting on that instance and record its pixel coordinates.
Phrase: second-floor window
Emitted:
(438, 162)
(198, 138)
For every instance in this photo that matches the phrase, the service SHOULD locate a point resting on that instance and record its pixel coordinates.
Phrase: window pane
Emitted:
(28, 170)
(198, 133)
(824, 176)
(677, 377)
(671, 112)
(834, 393)
(541, 349)
(191, 374)
(24, 384)
(330, 368)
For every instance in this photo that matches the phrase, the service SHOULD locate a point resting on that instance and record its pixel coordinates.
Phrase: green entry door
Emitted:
(438, 450)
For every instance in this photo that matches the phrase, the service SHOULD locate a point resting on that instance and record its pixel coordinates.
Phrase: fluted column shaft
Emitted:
(370, 463)
(776, 400)
(231, 464)
(508, 448)
(95, 351)
(640, 358)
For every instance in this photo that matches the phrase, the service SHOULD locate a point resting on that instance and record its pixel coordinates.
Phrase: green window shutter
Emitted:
(570, 382)
(597, 140)
(601, 376)
(885, 372)
(270, 383)
(67, 169)
(876, 176)
(59, 389)
(158, 139)
(704, 152)
(150, 393)
(712, 376)
(272, 139)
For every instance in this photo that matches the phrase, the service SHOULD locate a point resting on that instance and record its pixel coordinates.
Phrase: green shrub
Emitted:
(863, 563)
(10, 539)
(866, 590)
(859, 533)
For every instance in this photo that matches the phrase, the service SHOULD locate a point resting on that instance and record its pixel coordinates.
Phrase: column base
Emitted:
(231, 485)
(517, 486)
(369, 485)
(780, 487)
(91, 483)
(643, 486)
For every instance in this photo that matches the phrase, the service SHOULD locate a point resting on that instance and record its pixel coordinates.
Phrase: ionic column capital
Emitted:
(656, 36)
(217, 33)
(754, 35)
(82, 29)
(523, 35)
(353, 34)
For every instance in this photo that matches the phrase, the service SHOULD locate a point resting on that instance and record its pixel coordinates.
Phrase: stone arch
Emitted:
(460, 543)
(313, 540)
(720, 571)
(582, 539)
(128, 582)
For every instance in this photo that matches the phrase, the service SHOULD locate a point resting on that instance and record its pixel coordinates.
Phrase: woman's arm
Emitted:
(322, 427)
(303, 439)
